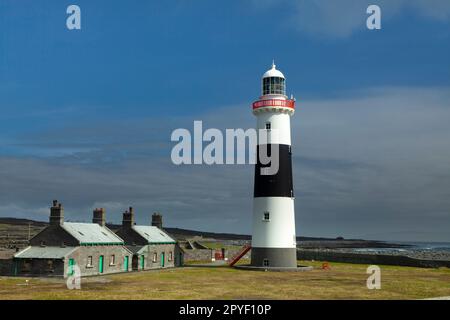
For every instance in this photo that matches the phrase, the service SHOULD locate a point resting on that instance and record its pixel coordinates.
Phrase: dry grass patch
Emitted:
(343, 281)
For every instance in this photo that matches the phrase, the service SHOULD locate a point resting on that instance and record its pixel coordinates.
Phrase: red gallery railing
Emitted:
(274, 103)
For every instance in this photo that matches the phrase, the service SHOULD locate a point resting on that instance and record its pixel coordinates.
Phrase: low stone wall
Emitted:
(362, 258)
(208, 254)
(198, 254)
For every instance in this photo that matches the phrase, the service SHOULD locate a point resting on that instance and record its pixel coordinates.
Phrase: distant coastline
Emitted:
(20, 233)
(14, 234)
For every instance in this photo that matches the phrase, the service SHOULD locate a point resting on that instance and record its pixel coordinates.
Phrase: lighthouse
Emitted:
(273, 237)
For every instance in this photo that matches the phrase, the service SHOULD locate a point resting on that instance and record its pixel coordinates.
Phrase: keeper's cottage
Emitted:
(95, 249)
(151, 246)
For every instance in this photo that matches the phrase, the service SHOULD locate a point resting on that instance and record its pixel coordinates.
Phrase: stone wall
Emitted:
(369, 259)
(83, 252)
(208, 254)
(153, 254)
(198, 254)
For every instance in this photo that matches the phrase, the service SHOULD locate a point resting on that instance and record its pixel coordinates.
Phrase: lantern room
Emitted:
(273, 82)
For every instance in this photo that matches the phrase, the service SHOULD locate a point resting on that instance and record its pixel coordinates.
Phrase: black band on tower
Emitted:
(274, 257)
(279, 184)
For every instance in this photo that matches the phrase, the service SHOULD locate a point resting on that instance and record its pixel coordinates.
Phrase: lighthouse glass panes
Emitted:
(274, 85)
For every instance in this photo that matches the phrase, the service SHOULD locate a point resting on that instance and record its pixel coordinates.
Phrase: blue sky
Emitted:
(86, 115)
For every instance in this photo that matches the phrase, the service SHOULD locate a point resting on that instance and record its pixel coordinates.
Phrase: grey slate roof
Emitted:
(135, 249)
(44, 252)
(91, 233)
(153, 234)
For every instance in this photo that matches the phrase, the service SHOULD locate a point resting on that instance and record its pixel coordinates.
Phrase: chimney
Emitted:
(157, 220)
(56, 214)
(99, 216)
(128, 218)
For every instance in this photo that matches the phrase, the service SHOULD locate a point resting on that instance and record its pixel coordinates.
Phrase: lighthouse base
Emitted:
(253, 268)
(274, 257)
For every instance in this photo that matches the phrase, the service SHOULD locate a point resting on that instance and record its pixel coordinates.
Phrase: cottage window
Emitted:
(170, 256)
(49, 265)
(112, 262)
(155, 257)
(266, 262)
(26, 266)
(89, 262)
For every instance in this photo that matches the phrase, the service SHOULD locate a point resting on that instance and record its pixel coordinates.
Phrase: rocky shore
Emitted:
(343, 243)
(424, 254)
(412, 257)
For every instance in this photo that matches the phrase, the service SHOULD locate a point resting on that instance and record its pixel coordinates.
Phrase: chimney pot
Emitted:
(128, 219)
(157, 220)
(99, 216)
(56, 214)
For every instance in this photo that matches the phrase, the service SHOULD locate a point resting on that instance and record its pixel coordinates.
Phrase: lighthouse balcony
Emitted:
(274, 105)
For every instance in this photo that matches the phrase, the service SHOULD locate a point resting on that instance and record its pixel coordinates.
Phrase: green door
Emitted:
(15, 268)
(125, 263)
(100, 264)
(70, 271)
(142, 262)
(162, 259)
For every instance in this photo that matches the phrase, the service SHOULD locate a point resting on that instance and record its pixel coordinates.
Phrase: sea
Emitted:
(413, 246)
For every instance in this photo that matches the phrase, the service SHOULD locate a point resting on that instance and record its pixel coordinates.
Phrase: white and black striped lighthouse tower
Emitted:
(273, 239)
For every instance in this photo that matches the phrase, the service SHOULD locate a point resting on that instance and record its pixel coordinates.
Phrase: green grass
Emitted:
(343, 281)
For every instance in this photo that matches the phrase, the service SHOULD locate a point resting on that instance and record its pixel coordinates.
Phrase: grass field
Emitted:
(343, 281)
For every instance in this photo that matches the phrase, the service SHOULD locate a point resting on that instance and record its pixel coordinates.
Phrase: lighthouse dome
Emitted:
(273, 72)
